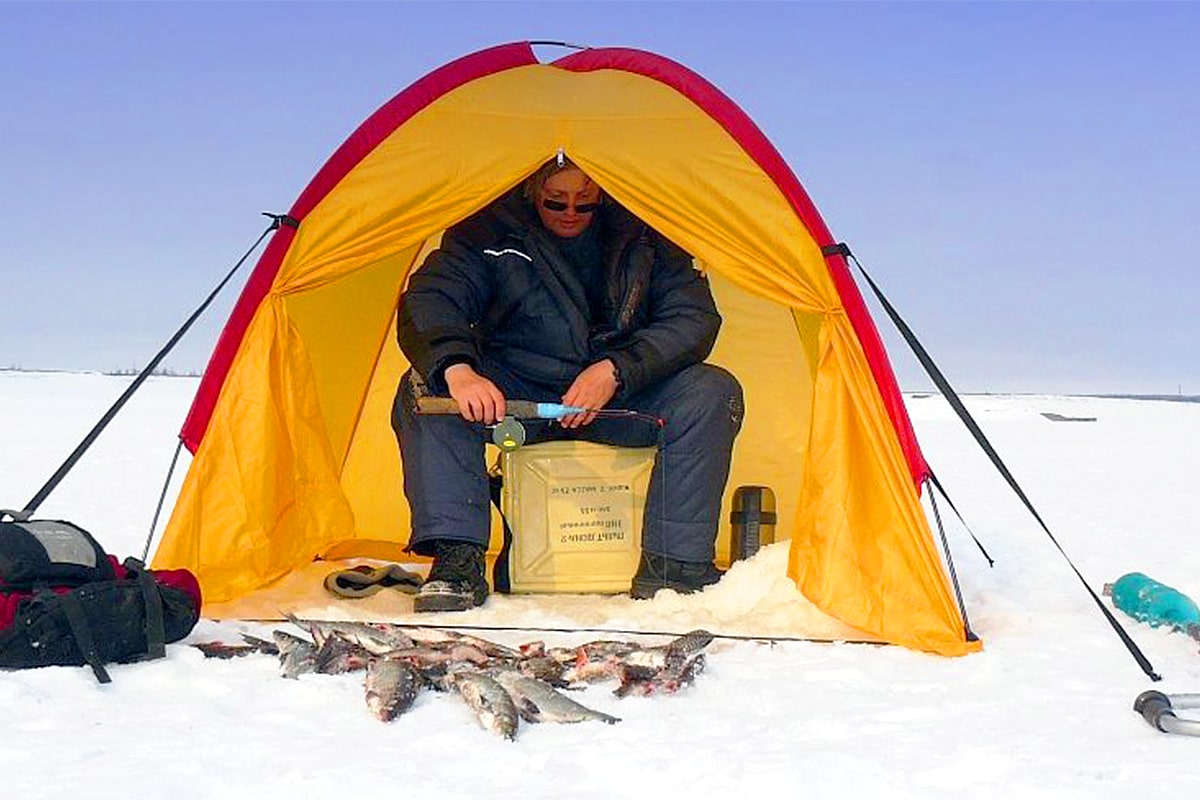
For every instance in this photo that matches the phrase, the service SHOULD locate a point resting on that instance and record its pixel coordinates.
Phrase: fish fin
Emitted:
(528, 709)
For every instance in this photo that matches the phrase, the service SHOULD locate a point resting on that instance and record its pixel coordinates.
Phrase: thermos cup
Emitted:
(753, 520)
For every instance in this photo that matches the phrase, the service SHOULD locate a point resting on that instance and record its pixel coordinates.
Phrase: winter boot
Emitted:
(659, 572)
(456, 581)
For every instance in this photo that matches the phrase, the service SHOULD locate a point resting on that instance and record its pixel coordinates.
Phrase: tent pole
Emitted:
(161, 499)
(962, 607)
(81, 448)
(933, 483)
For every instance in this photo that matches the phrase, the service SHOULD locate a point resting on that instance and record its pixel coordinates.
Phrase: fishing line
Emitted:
(630, 632)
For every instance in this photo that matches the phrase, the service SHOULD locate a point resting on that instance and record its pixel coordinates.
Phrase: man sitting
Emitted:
(555, 293)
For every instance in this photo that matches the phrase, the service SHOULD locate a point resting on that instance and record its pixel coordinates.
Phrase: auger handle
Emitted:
(1153, 706)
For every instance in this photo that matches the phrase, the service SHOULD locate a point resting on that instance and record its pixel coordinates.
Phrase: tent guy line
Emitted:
(981, 439)
(35, 502)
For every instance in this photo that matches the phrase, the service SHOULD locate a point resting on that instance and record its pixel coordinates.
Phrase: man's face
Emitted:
(567, 190)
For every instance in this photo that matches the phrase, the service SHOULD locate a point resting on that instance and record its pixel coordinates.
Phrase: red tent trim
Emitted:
(374, 130)
(426, 90)
(736, 122)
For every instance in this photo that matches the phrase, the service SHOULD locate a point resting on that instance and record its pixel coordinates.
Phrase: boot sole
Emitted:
(644, 590)
(443, 603)
(447, 601)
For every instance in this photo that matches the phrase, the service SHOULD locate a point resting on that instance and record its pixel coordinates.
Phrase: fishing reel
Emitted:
(508, 434)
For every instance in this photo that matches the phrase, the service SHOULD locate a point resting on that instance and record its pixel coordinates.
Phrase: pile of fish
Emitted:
(502, 685)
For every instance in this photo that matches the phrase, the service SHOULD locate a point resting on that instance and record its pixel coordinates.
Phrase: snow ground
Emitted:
(1044, 711)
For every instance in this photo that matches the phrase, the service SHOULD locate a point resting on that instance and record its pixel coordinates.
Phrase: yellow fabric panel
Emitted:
(772, 446)
(371, 477)
(262, 493)
(299, 454)
(340, 325)
(648, 146)
(863, 550)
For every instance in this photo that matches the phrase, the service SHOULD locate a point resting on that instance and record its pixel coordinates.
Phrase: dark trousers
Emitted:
(445, 477)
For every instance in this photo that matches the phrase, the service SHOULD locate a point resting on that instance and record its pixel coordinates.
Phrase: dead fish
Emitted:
(442, 677)
(689, 644)
(286, 642)
(651, 658)
(594, 664)
(296, 655)
(391, 687)
(435, 637)
(536, 649)
(543, 668)
(224, 649)
(640, 682)
(603, 648)
(373, 639)
(337, 656)
(426, 656)
(670, 656)
(673, 653)
(264, 646)
(537, 701)
(492, 705)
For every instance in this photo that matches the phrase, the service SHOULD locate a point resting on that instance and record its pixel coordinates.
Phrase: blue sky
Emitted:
(1022, 178)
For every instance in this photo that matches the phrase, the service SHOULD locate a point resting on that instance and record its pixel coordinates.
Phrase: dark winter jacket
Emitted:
(499, 289)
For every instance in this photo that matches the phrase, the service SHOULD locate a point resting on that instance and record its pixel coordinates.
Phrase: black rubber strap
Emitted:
(83, 635)
(156, 646)
(761, 517)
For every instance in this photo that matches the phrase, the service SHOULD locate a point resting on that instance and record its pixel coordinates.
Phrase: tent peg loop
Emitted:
(838, 249)
(282, 219)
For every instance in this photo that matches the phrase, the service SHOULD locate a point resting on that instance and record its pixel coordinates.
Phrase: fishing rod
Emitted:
(508, 434)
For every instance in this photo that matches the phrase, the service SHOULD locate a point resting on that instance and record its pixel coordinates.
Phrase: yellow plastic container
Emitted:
(575, 510)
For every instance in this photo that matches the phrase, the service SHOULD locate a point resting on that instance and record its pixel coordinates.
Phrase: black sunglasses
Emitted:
(580, 208)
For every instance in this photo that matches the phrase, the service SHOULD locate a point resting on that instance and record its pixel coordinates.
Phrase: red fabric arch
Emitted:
(420, 94)
(736, 122)
(374, 130)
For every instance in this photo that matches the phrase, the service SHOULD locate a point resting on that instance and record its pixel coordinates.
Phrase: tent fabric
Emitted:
(293, 455)
(377, 127)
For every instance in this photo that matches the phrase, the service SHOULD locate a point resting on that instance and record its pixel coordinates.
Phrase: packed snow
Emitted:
(1045, 710)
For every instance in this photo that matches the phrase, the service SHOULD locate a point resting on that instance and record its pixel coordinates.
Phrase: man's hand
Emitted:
(592, 388)
(479, 400)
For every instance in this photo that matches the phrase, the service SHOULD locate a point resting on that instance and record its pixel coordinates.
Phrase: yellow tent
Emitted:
(293, 454)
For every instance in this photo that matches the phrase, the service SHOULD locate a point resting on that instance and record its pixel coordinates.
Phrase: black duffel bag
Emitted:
(76, 607)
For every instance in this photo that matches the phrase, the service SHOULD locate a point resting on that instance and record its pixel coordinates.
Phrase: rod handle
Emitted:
(427, 404)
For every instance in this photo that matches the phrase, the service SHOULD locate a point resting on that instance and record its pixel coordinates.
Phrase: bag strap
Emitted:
(153, 617)
(83, 635)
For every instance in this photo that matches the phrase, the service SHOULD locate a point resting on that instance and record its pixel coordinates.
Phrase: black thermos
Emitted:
(753, 520)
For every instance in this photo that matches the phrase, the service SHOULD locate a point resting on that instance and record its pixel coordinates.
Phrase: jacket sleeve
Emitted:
(681, 327)
(444, 301)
